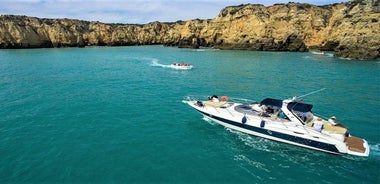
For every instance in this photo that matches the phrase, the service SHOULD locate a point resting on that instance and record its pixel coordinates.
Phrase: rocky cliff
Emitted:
(349, 29)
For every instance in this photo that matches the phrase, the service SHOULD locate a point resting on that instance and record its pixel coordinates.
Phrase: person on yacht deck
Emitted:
(332, 120)
(318, 125)
(214, 98)
(307, 116)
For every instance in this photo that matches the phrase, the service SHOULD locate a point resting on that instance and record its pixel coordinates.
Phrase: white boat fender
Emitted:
(224, 98)
(244, 119)
(262, 123)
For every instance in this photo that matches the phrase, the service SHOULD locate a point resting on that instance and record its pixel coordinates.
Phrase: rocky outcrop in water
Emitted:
(350, 29)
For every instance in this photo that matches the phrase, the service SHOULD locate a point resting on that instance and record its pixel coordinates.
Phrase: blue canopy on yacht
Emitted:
(295, 106)
(302, 107)
(272, 102)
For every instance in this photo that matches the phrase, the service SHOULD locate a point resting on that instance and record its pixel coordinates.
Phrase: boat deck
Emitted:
(355, 144)
(246, 109)
(329, 128)
(214, 104)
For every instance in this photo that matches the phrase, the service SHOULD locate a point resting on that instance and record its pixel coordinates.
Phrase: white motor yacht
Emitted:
(288, 121)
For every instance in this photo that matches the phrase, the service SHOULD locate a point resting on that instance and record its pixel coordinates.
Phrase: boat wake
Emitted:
(245, 160)
(256, 143)
(208, 120)
(375, 150)
(156, 63)
(268, 146)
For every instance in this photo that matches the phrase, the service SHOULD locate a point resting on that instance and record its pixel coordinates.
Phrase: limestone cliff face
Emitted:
(350, 29)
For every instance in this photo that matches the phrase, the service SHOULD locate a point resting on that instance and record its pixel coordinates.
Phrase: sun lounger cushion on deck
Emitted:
(214, 104)
(330, 128)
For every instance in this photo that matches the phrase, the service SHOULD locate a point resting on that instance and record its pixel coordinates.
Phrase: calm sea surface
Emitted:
(114, 115)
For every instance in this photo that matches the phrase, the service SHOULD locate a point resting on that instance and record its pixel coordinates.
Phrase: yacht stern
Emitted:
(357, 146)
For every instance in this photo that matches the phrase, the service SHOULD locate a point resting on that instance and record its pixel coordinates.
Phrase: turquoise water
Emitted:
(114, 115)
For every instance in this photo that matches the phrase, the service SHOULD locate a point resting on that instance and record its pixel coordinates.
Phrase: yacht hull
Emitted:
(273, 135)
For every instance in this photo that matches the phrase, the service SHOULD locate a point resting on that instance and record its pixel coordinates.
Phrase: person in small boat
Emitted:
(318, 125)
(332, 120)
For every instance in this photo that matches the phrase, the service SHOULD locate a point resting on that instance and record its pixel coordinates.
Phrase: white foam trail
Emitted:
(208, 120)
(375, 150)
(254, 163)
(247, 164)
(257, 143)
(156, 63)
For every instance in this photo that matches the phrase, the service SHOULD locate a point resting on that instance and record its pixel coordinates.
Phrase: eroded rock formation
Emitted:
(350, 29)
